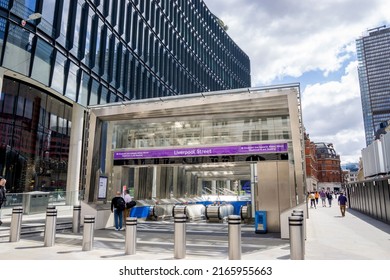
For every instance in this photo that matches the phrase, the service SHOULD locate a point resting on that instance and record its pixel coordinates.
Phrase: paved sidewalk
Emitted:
(329, 237)
(353, 237)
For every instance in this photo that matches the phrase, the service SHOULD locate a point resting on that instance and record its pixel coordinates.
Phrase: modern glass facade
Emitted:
(34, 138)
(94, 52)
(373, 52)
(97, 52)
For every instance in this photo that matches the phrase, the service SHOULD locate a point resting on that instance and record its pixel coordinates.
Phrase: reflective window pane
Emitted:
(2, 33)
(18, 50)
(71, 87)
(42, 62)
(59, 73)
(83, 93)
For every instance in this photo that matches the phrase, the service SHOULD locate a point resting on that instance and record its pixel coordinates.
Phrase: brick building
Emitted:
(311, 164)
(329, 168)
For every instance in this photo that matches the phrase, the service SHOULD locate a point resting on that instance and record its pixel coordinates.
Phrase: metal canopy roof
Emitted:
(266, 101)
(263, 101)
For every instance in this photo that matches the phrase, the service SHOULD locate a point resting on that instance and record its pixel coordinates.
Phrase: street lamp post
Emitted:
(31, 17)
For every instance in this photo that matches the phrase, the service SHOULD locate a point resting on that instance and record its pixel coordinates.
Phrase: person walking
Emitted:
(317, 196)
(312, 200)
(127, 198)
(342, 200)
(117, 206)
(323, 198)
(3, 198)
(330, 197)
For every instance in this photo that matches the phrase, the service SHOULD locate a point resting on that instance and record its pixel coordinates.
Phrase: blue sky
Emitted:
(313, 43)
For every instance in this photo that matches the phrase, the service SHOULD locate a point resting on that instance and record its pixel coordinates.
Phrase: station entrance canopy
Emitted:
(212, 136)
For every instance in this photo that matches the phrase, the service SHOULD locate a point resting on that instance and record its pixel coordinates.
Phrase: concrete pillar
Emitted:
(200, 181)
(228, 185)
(175, 181)
(214, 187)
(187, 187)
(75, 153)
(156, 181)
(253, 187)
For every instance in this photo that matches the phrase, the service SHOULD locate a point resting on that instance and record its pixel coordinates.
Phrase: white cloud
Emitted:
(332, 113)
(291, 39)
(288, 38)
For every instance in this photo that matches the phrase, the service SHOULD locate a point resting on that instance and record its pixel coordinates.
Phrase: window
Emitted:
(42, 62)
(84, 91)
(18, 48)
(47, 21)
(93, 99)
(71, 86)
(59, 73)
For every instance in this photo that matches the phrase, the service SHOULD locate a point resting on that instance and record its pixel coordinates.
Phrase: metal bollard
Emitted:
(50, 226)
(16, 224)
(234, 230)
(296, 237)
(89, 224)
(302, 213)
(180, 236)
(131, 236)
(299, 213)
(76, 218)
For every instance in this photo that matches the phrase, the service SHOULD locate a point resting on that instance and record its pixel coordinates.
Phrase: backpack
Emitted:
(131, 204)
(120, 204)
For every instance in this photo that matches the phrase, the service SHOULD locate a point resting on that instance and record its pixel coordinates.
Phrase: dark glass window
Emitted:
(18, 48)
(145, 47)
(59, 73)
(64, 23)
(119, 67)
(127, 22)
(42, 62)
(134, 31)
(24, 8)
(111, 59)
(140, 37)
(2, 33)
(150, 58)
(121, 16)
(83, 32)
(153, 15)
(84, 91)
(74, 29)
(37, 138)
(104, 96)
(71, 85)
(46, 23)
(93, 99)
(101, 53)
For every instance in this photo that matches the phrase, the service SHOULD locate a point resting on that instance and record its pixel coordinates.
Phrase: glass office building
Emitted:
(373, 52)
(57, 55)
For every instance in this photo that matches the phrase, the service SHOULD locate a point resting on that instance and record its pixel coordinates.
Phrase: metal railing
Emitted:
(42, 199)
(371, 197)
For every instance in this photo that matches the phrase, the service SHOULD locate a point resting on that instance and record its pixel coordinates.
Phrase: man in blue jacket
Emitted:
(343, 203)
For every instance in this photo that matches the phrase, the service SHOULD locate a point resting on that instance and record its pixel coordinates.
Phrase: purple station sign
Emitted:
(202, 151)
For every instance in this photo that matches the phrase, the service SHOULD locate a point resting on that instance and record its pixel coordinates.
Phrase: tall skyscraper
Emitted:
(373, 51)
